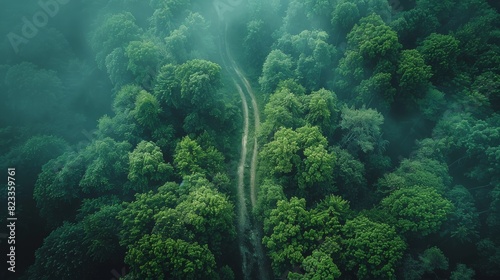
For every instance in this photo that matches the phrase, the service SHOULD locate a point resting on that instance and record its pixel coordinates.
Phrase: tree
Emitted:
(62, 255)
(373, 38)
(423, 172)
(269, 195)
(375, 92)
(432, 104)
(301, 156)
(102, 234)
(318, 265)
(462, 272)
(191, 158)
(464, 219)
(154, 257)
(257, 42)
(117, 68)
(413, 73)
(209, 216)
(106, 167)
(116, 31)
(147, 110)
(349, 176)
(198, 84)
(139, 216)
(371, 249)
(284, 109)
(124, 101)
(57, 188)
(417, 209)
(143, 58)
(322, 111)
(292, 233)
(432, 259)
(312, 52)
(413, 25)
(277, 67)
(363, 129)
(147, 168)
(440, 52)
(34, 91)
(345, 15)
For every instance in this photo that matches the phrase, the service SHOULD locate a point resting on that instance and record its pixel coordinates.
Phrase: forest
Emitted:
(250, 139)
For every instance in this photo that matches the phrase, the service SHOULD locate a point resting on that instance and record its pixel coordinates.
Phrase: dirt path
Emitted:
(256, 114)
(252, 253)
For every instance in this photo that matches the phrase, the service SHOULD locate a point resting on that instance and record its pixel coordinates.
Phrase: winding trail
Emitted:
(249, 235)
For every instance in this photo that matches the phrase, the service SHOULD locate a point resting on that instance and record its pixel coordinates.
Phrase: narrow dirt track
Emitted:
(252, 253)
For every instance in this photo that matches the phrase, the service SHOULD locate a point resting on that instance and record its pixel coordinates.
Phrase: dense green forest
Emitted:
(250, 139)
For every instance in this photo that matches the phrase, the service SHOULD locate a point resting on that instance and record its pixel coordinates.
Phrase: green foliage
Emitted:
(268, 196)
(417, 209)
(462, 272)
(62, 255)
(284, 109)
(137, 217)
(349, 175)
(124, 101)
(413, 72)
(117, 68)
(191, 158)
(292, 232)
(36, 151)
(432, 259)
(373, 38)
(57, 188)
(116, 31)
(371, 249)
(423, 172)
(143, 58)
(299, 154)
(312, 53)
(322, 111)
(432, 104)
(440, 52)
(376, 91)
(101, 233)
(147, 168)
(106, 168)
(318, 265)
(277, 67)
(189, 86)
(147, 110)
(414, 24)
(345, 15)
(209, 215)
(363, 129)
(32, 90)
(191, 40)
(154, 257)
(464, 218)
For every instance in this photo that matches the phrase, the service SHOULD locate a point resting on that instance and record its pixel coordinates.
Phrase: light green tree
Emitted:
(147, 168)
(373, 38)
(154, 257)
(277, 67)
(417, 209)
(362, 128)
(372, 250)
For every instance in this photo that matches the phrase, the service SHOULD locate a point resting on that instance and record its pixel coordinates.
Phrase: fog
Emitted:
(250, 139)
